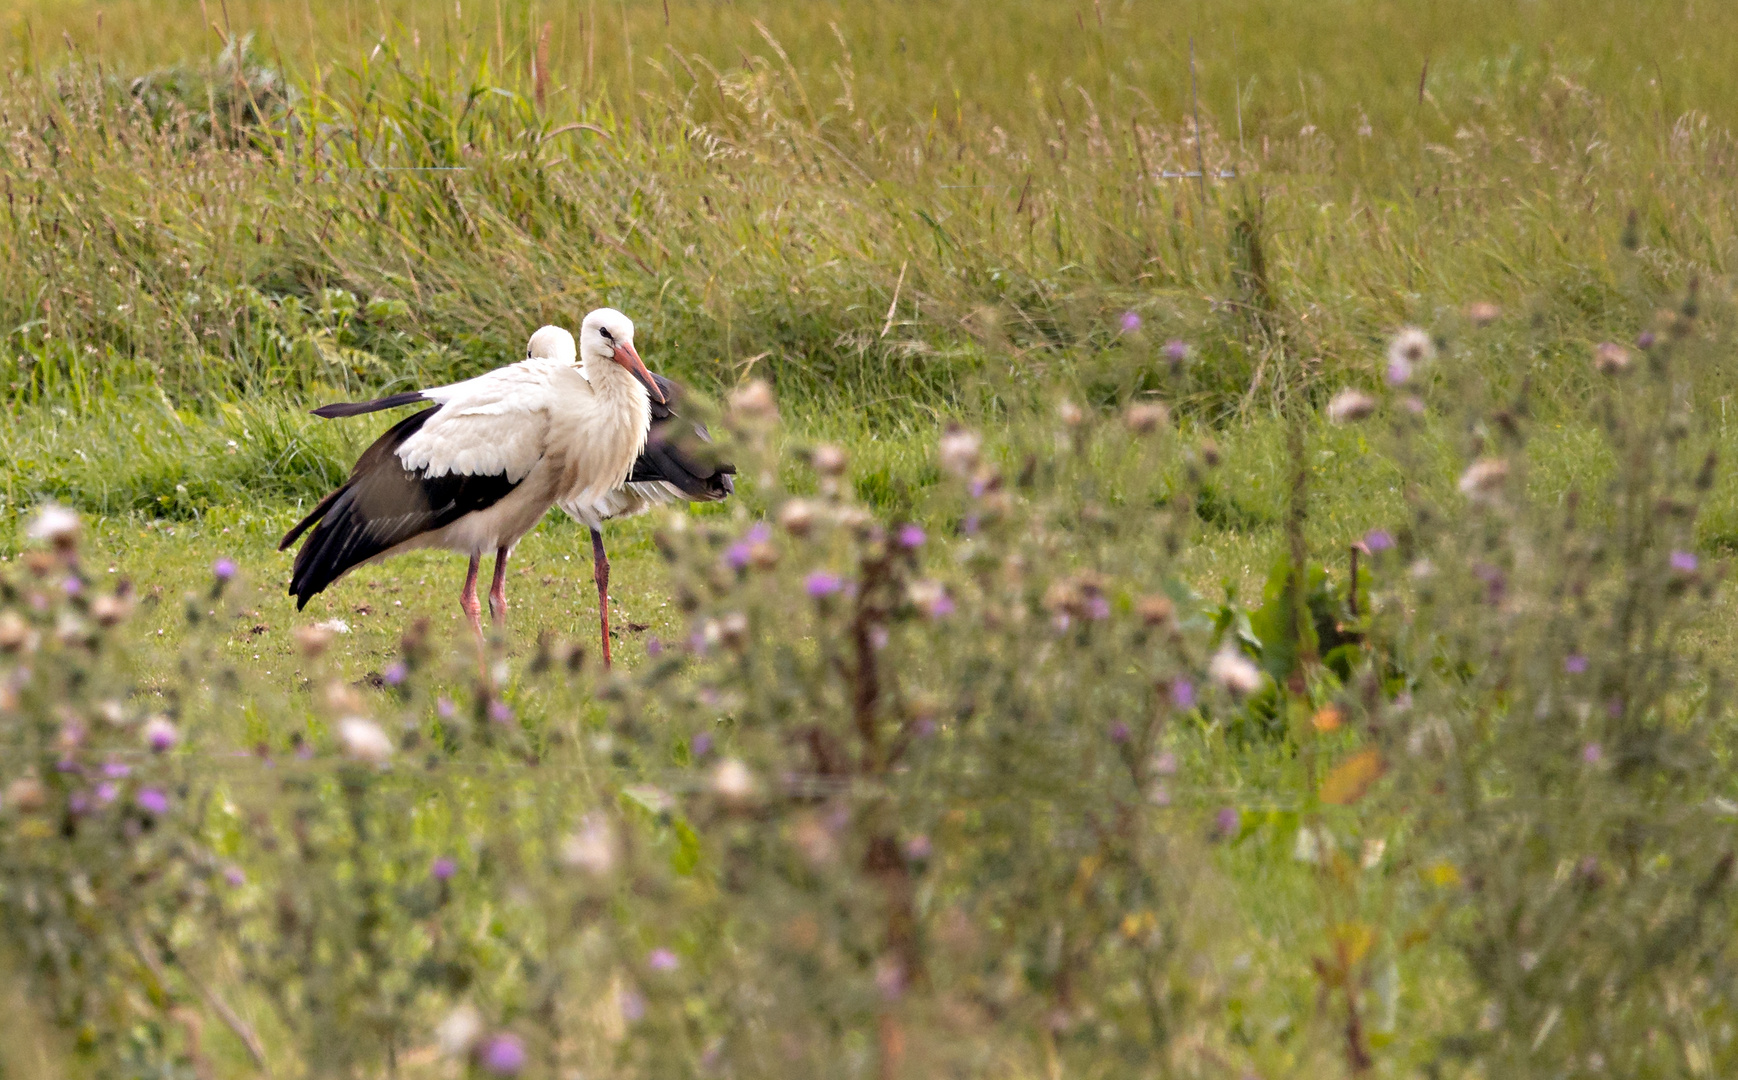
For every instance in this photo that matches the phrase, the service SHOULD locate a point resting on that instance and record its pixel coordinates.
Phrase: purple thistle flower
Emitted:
(911, 535)
(106, 792)
(1119, 732)
(1183, 693)
(1226, 822)
(633, 1006)
(1399, 372)
(654, 647)
(1165, 764)
(500, 712)
(1645, 340)
(736, 555)
(443, 869)
(234, 876)
(970, 525)
(444, 708)
(68, 765)
(820, 583)
(1378, 540)
(919, 847)
(152, 801)
(758, 533)
(1098, 608)
(396, 672)
(1131, 321)
(700, 745)
(662, 960)
(78, 802)
(1176, 350)
(502, 1054)
(1575, 664)
(117, 770)
(890, 980)
(223, 569)
(1592, 753)
(924, 728)
(73, 586)
(1684, 562)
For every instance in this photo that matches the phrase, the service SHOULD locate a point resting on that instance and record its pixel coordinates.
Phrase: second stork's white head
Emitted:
(606, 337)
(552, 343)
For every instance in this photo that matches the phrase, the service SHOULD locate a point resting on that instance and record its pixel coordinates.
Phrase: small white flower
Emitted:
(1484, 479)
(336, 626)
(364, 740)
(1234, 671)
(1350, 405)
(53, 523)
(593, 848)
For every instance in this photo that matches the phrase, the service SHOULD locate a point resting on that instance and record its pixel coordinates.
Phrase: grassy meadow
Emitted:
(902, 216)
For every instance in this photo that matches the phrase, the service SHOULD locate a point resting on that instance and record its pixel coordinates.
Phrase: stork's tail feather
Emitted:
(307, 523)
(339, 543)
(357, 408)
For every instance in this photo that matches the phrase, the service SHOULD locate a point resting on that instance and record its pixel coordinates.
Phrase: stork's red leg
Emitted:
(468, 601)
(600, 572)
(498, 589)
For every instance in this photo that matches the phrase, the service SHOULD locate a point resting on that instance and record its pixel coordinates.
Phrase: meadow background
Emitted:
(219, 214)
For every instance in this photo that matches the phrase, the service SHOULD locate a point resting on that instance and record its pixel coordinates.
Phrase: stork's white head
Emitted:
(551, 343)
(607, 336)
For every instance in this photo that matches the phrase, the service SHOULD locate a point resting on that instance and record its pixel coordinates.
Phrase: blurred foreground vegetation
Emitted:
(1213, 703)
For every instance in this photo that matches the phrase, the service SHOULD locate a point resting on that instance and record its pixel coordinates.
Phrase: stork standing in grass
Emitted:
(674, 465)
(477, 471)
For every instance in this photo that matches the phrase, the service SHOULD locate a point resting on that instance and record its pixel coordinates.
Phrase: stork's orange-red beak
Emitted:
(628, 358)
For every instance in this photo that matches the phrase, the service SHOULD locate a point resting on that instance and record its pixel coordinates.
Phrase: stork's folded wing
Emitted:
(494, 424)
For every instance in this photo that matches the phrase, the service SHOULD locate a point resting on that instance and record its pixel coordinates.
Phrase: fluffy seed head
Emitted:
(593, 848)
(1235, 672)
(1611, 359)
(1350, 405)
(828, 459)
(733, 783)
(364, 740)
(797, 516)
(959, 451)
(1145, 417)
(54, 524)
(1484, 479)
(754, 401)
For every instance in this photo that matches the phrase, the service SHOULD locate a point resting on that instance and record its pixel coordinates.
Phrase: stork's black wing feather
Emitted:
(382, 505)
(357, 408)
(680, 454)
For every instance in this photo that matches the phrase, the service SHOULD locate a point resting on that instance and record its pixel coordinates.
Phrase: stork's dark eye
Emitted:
(607, 336)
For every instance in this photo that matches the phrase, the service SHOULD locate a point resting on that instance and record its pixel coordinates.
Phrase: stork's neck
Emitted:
(623, 397)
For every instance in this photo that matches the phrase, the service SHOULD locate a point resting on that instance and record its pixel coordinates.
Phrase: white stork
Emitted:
(671, 468)
(475, 473)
